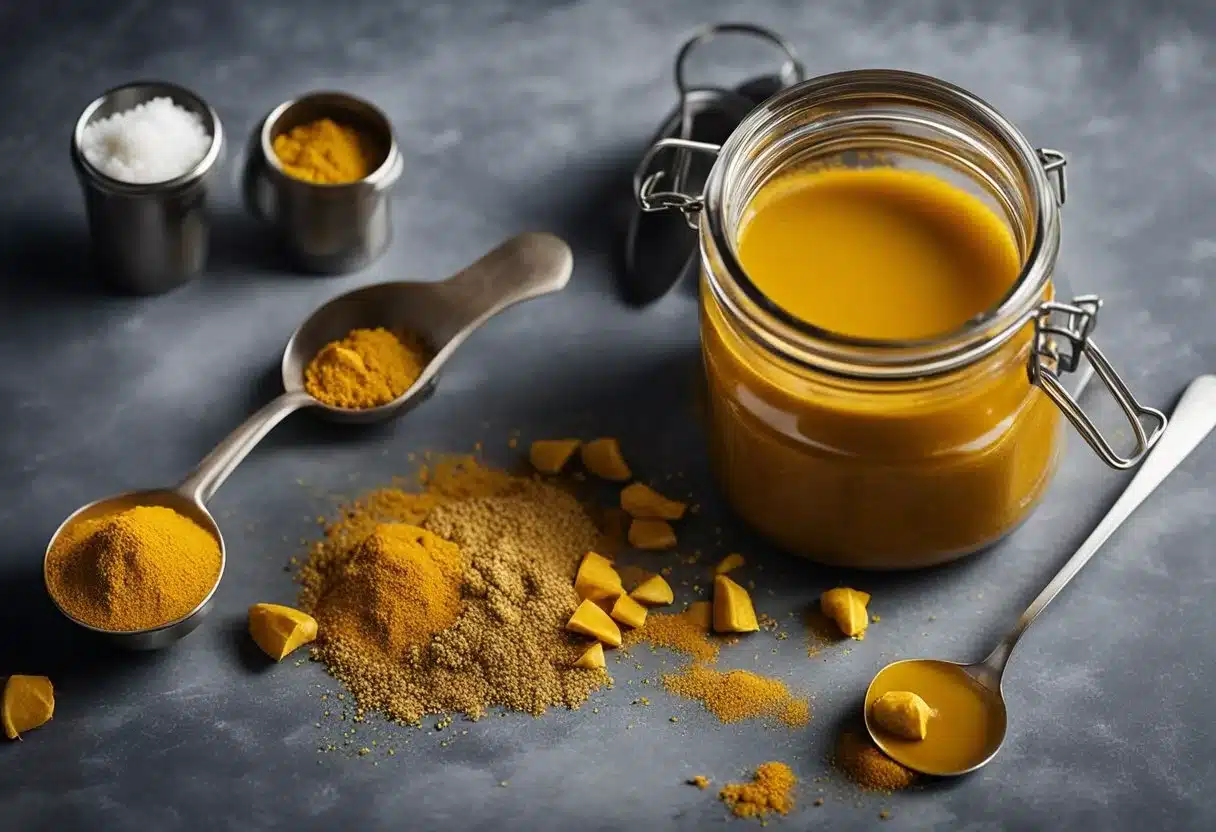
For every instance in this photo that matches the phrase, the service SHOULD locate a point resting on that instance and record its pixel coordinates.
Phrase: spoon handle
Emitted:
(526, 266)
(1193, 419)
(210, 474)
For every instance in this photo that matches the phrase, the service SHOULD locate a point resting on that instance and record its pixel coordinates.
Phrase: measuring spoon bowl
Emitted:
(443, 314)
(151, 638)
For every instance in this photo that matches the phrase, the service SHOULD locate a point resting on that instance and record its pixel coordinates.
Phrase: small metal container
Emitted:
(327, 229)
(148, 238)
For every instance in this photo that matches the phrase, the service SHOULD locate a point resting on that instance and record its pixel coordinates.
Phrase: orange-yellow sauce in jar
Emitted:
(876, 474)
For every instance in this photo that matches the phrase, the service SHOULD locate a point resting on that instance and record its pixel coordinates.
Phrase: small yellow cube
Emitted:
(643, 501)
(603, 458)
(653, 535)
(590, 620)
(654, 590)
(549, 456)
(596, 579)
(29, 701)
(729, 563)
(629, 612)
(733, 610)
(592, 658)
(279, 630)
(847, 607)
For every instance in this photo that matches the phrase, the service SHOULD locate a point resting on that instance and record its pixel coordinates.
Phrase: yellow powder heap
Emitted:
(771, 790)
(686, 632)
(868, 767)
(323, 152)
(367, 368)
(739, 694)
(521, 541)
(139, 568)
(400, 587)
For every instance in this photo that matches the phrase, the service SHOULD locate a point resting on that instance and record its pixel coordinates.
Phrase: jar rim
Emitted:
(869, 358)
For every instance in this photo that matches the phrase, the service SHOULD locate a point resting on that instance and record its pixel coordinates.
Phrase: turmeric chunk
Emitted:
(592, 658)
(592, 621)
(629, 612)
(29, 701)
(596, 579)
(279, 630)
(847, 607)
(651, 534)
(902, 713)
(733, 610)
(602, 457)
(643, 501)
(729, 563)
(549, 456)
(654, 590)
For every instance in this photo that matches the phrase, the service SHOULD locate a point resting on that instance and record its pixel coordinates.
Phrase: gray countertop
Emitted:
(529, 114)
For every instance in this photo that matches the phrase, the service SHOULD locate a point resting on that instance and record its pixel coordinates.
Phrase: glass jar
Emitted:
(874, 453)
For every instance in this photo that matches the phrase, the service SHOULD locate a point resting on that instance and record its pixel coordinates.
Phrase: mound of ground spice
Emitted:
(400, 586)
(521, 541)
(367, 368)
(771, 790)
(687, 632)
(865, 765)
(739, 694)
(134, 569)
(450, 478)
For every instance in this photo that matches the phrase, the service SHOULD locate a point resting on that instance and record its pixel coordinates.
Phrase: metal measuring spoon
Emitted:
(443, 314)
(1193, 419)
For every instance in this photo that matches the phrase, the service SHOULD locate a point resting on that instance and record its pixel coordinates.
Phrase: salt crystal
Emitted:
(152, 142)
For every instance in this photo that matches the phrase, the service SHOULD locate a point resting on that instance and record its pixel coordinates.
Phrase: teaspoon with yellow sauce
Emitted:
(965, 707)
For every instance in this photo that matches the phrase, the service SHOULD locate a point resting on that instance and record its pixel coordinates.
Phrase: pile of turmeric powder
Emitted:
(367, 368)
(476, 590)
(868, 767)
(771, 790)
(135, 569)
(323, 152)
(739, 694)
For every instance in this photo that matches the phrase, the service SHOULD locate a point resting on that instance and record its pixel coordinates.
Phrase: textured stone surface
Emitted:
(518, 115)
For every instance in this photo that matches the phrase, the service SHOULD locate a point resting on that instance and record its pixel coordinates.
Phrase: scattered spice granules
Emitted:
(685, 632)
(521, 541)
(739, 694)
(771, 790)
(868, 767)
(821, 631)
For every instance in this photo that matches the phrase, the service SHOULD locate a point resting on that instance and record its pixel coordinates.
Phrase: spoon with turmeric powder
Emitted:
(365, 356)
(945, 718)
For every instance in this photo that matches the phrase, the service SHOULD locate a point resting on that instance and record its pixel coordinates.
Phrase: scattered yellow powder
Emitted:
(771, 790)
(821, 631)
(868, 767)
(521, 541)
(133, 569)
(739, 694)
(367, 368)
(685, 632)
